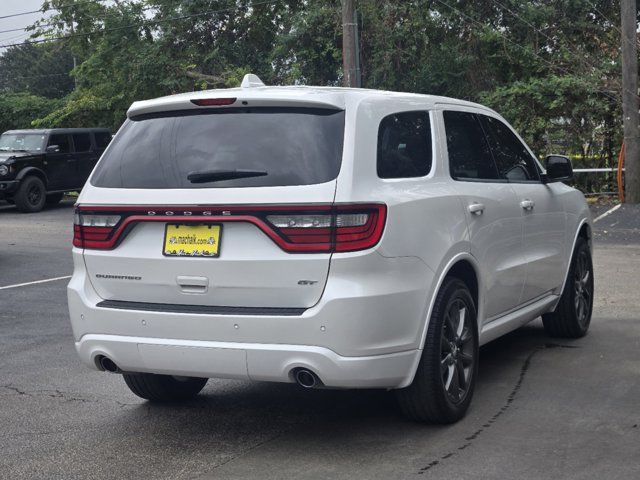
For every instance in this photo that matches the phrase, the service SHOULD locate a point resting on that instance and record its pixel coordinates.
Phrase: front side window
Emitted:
(61, 141)
(404, 145)
(469, 155)
(512, 158)
(256, 147)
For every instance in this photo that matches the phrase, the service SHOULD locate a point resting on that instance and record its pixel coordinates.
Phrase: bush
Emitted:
(20, 110)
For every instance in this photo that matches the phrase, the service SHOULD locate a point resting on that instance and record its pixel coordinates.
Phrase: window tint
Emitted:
(102, 139)
(62, 141)
(404, 145)
(82, 142)
(512, 158)
(295, 146)
(469, 154)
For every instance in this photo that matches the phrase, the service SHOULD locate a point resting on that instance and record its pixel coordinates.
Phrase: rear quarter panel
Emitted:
(425, 220)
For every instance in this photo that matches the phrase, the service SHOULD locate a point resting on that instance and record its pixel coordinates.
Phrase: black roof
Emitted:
(45, 131)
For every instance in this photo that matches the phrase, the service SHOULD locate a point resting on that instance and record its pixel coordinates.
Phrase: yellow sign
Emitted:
(192, 240)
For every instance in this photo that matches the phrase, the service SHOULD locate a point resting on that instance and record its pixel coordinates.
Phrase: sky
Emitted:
(9, 7)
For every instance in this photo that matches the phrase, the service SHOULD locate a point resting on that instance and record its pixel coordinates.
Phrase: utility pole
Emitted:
(349, 44)
(630, 100)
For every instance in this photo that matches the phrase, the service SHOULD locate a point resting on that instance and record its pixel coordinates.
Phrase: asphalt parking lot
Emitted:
(543, 408)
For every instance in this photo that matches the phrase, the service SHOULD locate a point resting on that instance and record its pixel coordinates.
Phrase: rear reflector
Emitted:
(294, 228)
(213, 102)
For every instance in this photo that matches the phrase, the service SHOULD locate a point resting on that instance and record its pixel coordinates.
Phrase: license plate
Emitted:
(192, 240)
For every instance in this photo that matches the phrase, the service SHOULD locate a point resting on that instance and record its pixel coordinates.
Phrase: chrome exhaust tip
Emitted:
(109, 365)
(306, 378)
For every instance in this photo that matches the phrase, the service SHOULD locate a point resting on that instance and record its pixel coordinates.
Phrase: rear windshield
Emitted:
(286, 146)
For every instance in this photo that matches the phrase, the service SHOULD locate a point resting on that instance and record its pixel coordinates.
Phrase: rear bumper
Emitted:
(9, 186)
(274, 363)
(364, 332)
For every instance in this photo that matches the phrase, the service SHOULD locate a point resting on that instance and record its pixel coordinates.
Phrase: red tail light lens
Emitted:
(91, 231)
(294, 228)
(345, 228)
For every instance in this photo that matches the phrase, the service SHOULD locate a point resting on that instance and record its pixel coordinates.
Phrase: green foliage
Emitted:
(42, 69)
(309, 51)
(82, 107)
(551, 67)
(18, 110)
(566, 109)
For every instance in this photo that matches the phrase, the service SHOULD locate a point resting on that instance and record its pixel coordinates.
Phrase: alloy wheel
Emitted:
(582, 287)
(457, 350)
(34, 195)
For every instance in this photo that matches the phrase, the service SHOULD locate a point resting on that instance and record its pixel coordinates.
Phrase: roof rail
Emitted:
(250, 80)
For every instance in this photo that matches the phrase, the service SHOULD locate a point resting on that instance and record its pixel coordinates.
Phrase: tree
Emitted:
(550, 67)
(40, 69)
(20, 109)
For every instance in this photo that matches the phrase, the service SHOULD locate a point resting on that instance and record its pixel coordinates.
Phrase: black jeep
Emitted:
(39, 166)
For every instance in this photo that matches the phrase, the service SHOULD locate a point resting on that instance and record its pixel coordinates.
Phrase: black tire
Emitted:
(54, 198)
(163, 388)
(449, 359)
(572, 316)
(31, 195)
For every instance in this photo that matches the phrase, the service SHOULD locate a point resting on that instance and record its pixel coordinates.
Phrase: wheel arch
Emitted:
(465, 267)
(583, 230)
(35, 171)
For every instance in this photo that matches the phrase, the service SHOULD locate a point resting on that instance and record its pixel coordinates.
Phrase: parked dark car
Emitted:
(37, 167)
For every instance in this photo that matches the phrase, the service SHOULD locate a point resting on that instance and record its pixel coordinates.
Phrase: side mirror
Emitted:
(53, 149)
(559, 169)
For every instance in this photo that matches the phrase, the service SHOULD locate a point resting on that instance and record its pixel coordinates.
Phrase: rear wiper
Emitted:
(206, 176)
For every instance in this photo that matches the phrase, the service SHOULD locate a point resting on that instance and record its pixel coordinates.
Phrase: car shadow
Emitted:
(65, 204)
(270, 407)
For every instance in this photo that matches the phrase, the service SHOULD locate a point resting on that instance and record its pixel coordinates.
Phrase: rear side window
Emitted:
(469, 154)
(291, 146)
(82, 142)
(512, 157)
(62, 141)
(102, 139)
(404, 145)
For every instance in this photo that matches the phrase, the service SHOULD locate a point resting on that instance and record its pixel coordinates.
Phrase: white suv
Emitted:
(330, 237)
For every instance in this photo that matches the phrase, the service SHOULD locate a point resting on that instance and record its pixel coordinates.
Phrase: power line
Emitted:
(583, 61)
(136, 25)
(44, 75)
(613, 24)
(461, 13)
(95, 17)
(48, 9)
(574, 52)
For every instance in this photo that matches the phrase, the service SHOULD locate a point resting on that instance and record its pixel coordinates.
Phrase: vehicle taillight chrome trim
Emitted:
(311, 228)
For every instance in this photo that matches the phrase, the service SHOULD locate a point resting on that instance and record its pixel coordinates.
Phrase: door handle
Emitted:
(476, 208)
(190, 284)
(527, 204)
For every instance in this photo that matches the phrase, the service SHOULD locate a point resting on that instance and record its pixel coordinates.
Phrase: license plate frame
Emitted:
(191, 229)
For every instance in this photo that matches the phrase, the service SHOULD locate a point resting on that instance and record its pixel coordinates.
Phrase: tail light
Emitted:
(213, 102)
(294, 228)
(91, 231)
